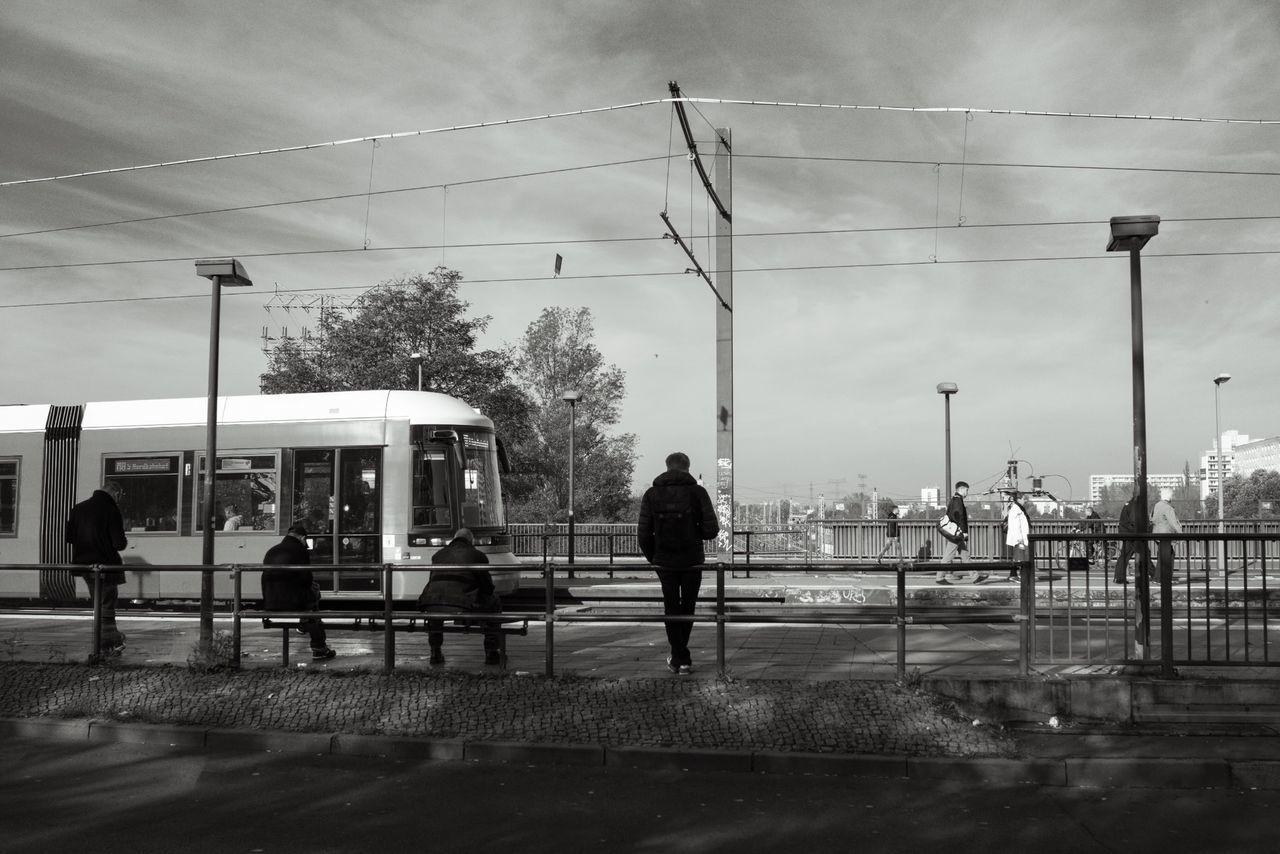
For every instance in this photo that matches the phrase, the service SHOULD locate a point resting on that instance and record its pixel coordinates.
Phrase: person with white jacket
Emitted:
(1018, 530)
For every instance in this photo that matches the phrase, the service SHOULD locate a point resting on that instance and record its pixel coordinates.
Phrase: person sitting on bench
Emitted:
(461, 589)
(294, 590)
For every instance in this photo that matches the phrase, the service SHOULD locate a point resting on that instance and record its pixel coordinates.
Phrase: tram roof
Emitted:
(416, 407)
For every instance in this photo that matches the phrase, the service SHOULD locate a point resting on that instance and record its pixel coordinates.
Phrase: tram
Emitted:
(377, 477)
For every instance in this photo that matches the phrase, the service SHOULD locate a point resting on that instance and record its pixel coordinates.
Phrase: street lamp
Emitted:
(417, 357)
(1131, 233)
(1217, 443)
(946, 390)
(571, 397)
(229, 272)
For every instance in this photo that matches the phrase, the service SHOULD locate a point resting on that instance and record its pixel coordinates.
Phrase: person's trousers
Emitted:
(1128, 550)
(492, 642)
(679, 598)
(315, 628)
(109, 594)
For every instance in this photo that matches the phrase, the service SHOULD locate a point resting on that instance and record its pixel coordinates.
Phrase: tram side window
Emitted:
(481, 488)
(246, 493)
(431, 488)
(8, 497)
(149, 488)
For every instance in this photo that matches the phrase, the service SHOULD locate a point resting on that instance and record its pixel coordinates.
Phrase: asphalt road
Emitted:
(68, 796)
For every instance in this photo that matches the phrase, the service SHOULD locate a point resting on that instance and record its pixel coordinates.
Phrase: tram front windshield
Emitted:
(455, 479)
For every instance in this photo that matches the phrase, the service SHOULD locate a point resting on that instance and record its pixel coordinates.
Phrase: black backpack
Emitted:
(676, 523)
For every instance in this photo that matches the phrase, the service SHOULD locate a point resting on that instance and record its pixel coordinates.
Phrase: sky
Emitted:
(864, 272)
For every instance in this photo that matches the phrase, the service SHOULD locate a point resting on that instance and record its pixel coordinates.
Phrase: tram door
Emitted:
(337, 494)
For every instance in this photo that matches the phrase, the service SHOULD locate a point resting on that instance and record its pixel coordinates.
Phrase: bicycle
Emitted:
(1065, 549)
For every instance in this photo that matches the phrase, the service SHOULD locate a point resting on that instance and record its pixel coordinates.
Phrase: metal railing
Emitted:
(1202, 616)
(1069, 611)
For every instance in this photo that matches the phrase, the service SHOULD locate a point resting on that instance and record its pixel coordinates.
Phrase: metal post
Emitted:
(902, 620)
(235, 616)
(573, 408)
(1142, 631)
(946, 484)
(548, 620)
(719, 618)
(95, 655)
(210, 473)
(388, 628)
(419, 374)
(725, 413)
(1217, 443)
(1166, 625)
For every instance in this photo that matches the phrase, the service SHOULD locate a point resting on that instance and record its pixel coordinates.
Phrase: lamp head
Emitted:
(1221, 378)
(228, 271)
(571, 396)
(1132, 232)
(948, 388)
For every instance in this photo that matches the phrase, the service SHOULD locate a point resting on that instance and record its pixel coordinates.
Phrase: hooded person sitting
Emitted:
(460, 589)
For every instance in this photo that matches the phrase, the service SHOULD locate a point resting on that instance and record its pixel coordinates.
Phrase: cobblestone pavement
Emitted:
(864, 717)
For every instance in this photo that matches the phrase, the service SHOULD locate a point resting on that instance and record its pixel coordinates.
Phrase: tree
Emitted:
(556, 355)
(1243, 498)
(371, 349)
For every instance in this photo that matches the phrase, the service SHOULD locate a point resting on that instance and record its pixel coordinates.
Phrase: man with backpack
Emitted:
(676, 515)
(1134, 550)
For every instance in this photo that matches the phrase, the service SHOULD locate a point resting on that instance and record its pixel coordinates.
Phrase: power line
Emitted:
(659, 274)
(627, 106)
(498, 244)
(995, 165)
(340, 197)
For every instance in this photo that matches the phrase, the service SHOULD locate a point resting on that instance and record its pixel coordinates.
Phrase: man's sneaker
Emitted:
(492, 658)
(672, 666)
(114, 650)
(322, 654)
(685, 669)
(941, 581)
(437, 657)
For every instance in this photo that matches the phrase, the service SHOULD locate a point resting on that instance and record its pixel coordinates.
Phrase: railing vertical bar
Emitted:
(902, 619)
(1244, 595)
(235, 616)
(95, 654)
(548, 619)
(388, 627)
(719, 617)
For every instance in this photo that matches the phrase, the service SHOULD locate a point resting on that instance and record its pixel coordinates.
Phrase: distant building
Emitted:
(929, 496)
(1260, 454)
(1155, 482)
(1212, 470)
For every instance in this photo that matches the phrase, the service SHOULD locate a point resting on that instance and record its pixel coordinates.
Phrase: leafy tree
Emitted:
(1244, 498)
(557, 354)
(371, 349)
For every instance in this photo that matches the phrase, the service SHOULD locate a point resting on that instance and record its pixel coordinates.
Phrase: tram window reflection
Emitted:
(149, 489)
(247, 491)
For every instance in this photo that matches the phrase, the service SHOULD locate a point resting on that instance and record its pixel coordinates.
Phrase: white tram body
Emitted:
(378, 477)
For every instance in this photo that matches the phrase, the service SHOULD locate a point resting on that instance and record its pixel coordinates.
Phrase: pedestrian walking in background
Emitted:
(1017, 533)
(1128, 524)
(891, 540)
(95, 530)
(1092, 524)
(464, 589)
(1165, 521)
(295, 590)
(955, 530)
(676, 516)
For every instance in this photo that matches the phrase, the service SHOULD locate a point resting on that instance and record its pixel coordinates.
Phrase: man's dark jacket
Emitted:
(471, 589)
(668, 488)
(957, 513)
(284, 589)
(95, 530)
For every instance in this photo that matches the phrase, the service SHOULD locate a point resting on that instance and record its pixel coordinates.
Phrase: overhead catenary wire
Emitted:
(636, 275)
(632, 105)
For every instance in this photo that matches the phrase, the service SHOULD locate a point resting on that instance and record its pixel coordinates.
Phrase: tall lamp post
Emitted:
(946, 390)
(228, 272)
(571, 397)
(1131, 233)
(1217, 443)
(417, 357)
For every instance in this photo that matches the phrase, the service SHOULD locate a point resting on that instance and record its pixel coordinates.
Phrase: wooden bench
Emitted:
(454, 621)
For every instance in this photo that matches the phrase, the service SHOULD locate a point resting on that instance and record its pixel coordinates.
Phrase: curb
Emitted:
(1064, 772)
